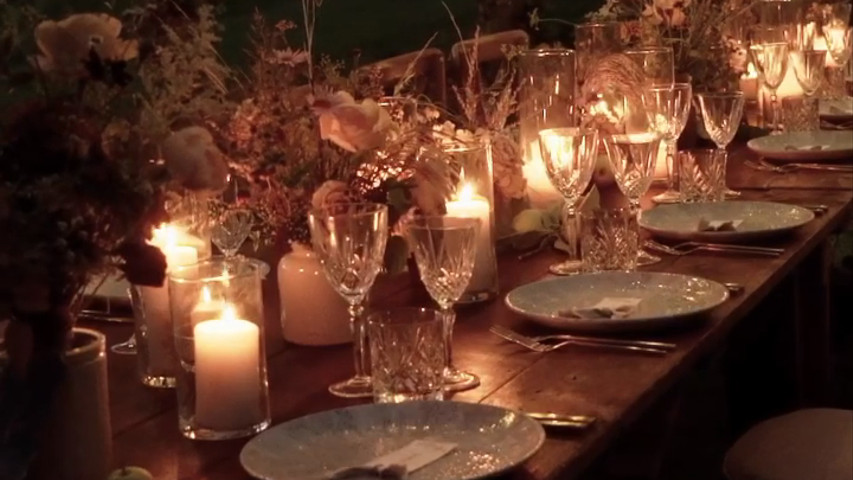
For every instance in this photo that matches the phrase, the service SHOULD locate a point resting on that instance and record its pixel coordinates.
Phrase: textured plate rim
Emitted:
(722, 236)
(631, 323)
(835, 154)
(537, 427)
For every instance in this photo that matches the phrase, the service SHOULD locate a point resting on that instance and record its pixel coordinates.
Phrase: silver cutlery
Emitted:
(687, 248)
(612, 341)
(572, 422)
(541, 347)
(763, 165)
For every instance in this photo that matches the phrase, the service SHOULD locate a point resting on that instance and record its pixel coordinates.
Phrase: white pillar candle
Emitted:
(227, 373)
(540, 190)
(469, 205)
(155, 301)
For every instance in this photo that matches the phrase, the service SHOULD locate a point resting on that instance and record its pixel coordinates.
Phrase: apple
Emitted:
(130, 473)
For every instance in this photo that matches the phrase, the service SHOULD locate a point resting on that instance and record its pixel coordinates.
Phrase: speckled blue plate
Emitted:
(665, 299)
(489, 440)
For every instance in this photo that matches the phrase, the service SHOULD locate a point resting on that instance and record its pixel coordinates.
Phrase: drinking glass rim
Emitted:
(463, 223)
(410, 316)
(548, 52)
(670, 86)
(560, 131)
(649, 49)
(737, 94)
(190, 273)
(374, 208)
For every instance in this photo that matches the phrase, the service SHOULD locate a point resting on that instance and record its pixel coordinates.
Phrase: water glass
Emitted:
(406, 354)
(702, 175)
(669, 109)
(657, 63)
(609, 239)
(809, 69)
(771, 61)
(800, 114)
(595, 40)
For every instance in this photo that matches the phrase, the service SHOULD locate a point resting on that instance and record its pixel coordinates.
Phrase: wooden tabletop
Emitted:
(615, 387)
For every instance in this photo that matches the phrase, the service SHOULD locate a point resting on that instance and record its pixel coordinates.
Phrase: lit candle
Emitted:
(540, 190)
(227, 372)
(155, 302)
(207, 308)
(749, 83)
(790, 87)
(469, 205)
(836, 38)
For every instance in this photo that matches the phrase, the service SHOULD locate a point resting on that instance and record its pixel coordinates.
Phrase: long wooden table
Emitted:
(615, 387)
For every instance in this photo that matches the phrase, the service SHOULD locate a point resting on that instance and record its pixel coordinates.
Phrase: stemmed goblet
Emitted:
(231, 230)
(839, 41)
(445, 249)
(669, 109)
(809, 67)
(721, 115)
(569, 155)
(771, 61)
(632, 158)
(350, 240)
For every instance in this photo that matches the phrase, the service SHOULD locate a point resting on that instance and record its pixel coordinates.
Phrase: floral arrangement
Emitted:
(695, 29)
(308, 133)
(104, 122)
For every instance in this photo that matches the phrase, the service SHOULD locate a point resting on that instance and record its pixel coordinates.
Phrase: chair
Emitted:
(809, 444)
(429, 74)
(489, 48)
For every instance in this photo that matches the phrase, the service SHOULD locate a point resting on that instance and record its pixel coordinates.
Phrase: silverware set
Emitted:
(765, 166)
(686, 248)
(549, 343)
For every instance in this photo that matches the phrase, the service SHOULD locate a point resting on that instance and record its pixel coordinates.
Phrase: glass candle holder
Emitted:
(546, 100)
(474, 198)
(157, 363)
(189, 214)
(218, 316)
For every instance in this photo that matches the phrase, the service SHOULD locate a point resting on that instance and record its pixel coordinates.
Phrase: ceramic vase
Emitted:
(312, 312)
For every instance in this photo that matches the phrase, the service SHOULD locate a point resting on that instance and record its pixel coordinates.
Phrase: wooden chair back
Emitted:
(489, 50)
(428, 73)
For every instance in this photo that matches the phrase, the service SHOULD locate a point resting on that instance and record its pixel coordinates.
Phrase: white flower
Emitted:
(66, 45)
(350, 125)
(287, 57)
(194, 160)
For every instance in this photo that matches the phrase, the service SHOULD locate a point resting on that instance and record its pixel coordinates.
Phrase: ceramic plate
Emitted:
(805, 146)
(837, 109)
(758, 220)
(665, 298)
(489, 440)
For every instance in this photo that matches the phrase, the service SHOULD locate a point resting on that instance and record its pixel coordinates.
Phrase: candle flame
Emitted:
(466, 192)
(205, 295)
(229, 314)
(751, 71)
(165, 236)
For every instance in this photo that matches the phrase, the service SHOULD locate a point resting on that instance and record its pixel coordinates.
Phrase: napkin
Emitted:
(706, 225)
(609, 307)
(398, 464)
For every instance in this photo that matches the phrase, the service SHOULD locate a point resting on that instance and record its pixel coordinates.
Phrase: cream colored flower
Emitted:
(330, 193)
(287, 56)
(66, 45)
(194, 160)
(351, 125)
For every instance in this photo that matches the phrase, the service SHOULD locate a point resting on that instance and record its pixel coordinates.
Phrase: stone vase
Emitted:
(312, 312)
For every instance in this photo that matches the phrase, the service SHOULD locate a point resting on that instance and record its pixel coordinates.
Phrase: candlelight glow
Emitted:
(205, 295)
(165, 236)
(466, 192)
(229, 314)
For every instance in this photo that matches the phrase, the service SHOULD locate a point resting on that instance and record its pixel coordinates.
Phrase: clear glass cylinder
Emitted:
(157, 363)
(473, 197)
(593, 41)
(189, 214)
(546, 99)
(218, 315)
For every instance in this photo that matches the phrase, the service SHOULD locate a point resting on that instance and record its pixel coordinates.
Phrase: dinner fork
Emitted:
(686, 248)
(538, 346)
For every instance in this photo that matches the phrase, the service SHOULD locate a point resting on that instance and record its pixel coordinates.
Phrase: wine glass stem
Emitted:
(774, 106)
(671, 173)
(570, 229)
(356, 312)
(449, 320)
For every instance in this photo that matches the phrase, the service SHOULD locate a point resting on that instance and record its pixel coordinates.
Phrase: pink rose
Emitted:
(351, 125)
(330, 193)
(194, 159)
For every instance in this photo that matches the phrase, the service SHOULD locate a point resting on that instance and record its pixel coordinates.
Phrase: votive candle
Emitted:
(469, 205)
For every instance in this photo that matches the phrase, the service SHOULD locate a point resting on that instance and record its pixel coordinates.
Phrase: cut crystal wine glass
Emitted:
(232, 230)
(349, 240)
(445, 249)
(632, 158)
(771, 61)
(721, 115)
(669, 108)
(569, 155)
